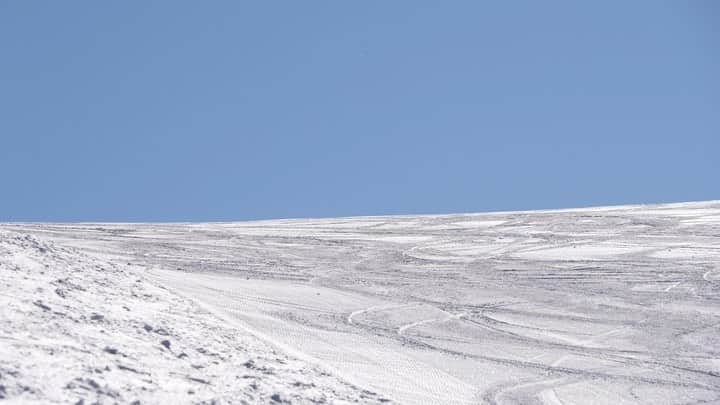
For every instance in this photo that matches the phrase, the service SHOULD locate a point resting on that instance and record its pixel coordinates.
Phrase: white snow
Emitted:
(598, 305)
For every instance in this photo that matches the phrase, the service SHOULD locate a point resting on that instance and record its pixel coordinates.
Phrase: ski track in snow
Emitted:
(401, 330)
(370, 309)
(597, 305)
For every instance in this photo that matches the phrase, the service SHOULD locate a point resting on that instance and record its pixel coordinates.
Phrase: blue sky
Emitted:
(185, 110)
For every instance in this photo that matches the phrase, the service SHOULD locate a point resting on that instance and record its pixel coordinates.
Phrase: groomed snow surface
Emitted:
(612, 305)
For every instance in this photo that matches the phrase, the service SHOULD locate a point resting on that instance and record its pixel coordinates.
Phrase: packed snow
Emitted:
(611, 305)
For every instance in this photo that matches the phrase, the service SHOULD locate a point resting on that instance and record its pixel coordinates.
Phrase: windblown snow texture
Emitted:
(616, 305)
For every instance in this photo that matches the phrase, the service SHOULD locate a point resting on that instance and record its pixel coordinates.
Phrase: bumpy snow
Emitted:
(613, 305)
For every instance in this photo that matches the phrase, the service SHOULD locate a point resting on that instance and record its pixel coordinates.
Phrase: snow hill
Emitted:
(611, 305)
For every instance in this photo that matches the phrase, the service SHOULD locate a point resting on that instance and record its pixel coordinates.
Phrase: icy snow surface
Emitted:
(612, 305)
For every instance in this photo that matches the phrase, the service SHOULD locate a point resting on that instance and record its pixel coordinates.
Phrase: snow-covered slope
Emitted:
(602, 305)
(75, 328)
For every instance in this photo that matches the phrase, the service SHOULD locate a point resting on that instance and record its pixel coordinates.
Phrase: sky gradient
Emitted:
(189, 111)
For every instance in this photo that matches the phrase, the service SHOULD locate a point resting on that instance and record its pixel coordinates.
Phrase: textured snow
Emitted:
(76, 328)
(609, 305)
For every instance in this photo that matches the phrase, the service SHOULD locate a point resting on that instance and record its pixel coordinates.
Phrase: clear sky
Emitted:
(192, 111)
